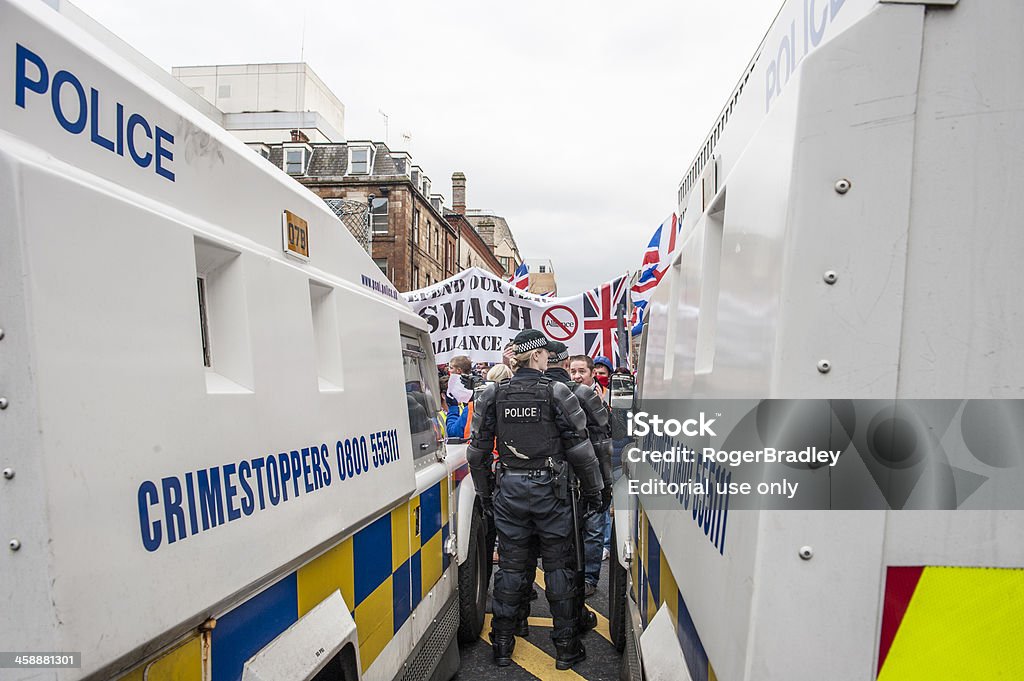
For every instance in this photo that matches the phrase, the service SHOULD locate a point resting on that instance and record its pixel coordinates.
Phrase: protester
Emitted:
(443, 413)
(508, 356)
(603, 374)
(498, 373)
(459, 395)
(540, 430)
(581, 370)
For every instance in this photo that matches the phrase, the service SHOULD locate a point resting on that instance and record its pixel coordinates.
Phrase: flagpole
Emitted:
(629, 331)
(620, 327)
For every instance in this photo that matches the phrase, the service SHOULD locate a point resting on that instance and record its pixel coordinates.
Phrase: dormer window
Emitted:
(425, 188)
(260, 148)
(360, 160)
(296, 158)
(402, 162)
(415, 177)
(435, 201)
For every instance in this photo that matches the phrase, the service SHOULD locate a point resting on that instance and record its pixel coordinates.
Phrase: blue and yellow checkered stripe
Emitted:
(654, 584)
(400, 557)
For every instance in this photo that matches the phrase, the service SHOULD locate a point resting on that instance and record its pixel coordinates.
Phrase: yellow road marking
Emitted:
(602, 621)
(533, 659)
(601, 628)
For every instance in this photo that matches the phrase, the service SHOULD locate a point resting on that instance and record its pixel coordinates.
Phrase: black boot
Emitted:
(523, 628)
(569, 653)
(587, 620)
(503, 645)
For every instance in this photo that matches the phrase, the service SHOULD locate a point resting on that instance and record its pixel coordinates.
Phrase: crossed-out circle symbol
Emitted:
(559, 329)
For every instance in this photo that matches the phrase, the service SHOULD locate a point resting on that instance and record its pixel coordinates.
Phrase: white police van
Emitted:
(852, 229)
(220, 448)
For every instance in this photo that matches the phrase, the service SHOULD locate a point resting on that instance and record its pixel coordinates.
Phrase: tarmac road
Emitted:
(534, 657)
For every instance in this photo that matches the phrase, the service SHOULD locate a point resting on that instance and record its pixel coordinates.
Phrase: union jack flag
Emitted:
(657, 259)
(600, 335)
(520, 278)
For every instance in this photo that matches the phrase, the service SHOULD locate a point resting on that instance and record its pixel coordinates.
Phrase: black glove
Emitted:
(487, 504)
(606, 498)
(592, 504)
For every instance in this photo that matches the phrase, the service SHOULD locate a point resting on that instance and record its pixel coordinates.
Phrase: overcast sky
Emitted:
(575, 120)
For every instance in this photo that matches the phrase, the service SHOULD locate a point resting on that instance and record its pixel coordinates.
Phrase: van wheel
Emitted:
(473, 575)
(617, 578)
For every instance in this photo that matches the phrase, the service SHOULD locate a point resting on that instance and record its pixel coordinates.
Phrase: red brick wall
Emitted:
(402, 255)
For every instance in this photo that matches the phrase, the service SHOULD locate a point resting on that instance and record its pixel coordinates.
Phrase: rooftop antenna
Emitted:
(406, 138)
(302, 56)
(387, 139)
(302, 44)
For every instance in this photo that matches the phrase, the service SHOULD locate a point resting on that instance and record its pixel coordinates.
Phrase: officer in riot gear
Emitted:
(599, 426)
(541, 431)
(599, 430)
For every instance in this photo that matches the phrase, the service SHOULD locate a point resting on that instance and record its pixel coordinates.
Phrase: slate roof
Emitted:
(331, 160)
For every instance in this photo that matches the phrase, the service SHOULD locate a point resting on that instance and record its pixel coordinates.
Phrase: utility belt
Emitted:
(557, 467)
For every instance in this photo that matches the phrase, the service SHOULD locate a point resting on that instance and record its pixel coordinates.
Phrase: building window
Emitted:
(260, 148)
(379, 216)
(415, 277)
(199, 90)
(401, 166)
(415, 177)
(505, 264)
(359, 161)
(428, 236)
(436, 203)
(426, 187)
(382, 263)
(416, 227)
(223, 91)
(437, 243)
(295, 161)
(542, 269)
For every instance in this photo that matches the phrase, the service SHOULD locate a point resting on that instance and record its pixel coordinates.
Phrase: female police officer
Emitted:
(540, 431)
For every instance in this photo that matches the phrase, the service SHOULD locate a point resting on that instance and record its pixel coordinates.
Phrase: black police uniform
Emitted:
(540, 428)
(599, 426)
(599, 430)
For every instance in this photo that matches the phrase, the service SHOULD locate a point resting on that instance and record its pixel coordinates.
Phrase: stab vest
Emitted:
(527, 434)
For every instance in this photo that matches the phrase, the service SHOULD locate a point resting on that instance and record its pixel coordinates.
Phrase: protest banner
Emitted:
(475, 313)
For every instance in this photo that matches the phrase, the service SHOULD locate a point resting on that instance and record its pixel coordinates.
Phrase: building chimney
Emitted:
(459, 193)
(485, 228)
(299, 136)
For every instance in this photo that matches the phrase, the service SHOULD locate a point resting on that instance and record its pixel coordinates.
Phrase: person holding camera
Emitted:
(462, 382)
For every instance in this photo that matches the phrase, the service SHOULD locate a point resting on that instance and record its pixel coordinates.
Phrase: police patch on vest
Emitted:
(523, 413)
